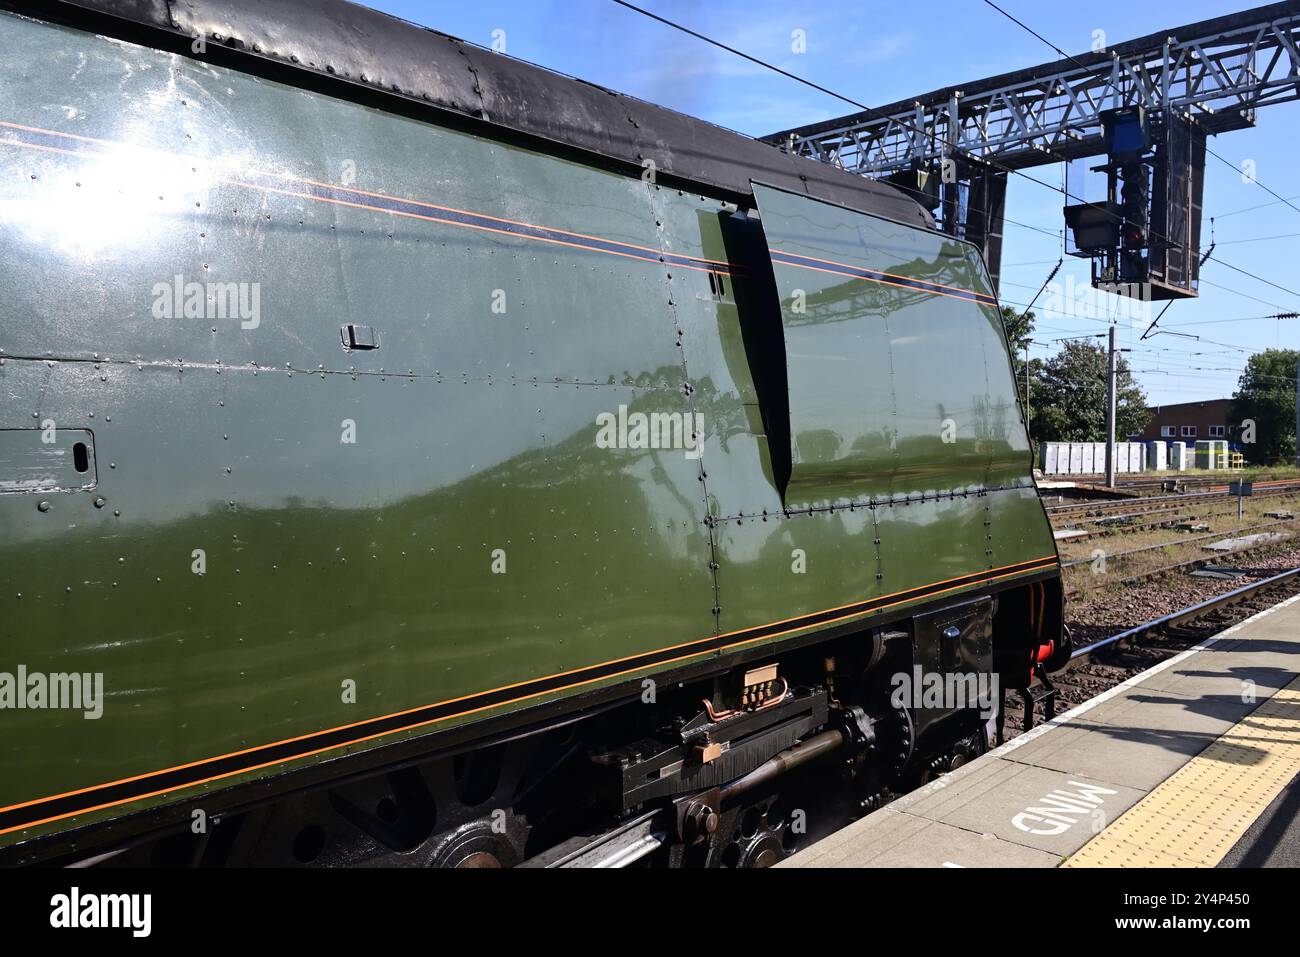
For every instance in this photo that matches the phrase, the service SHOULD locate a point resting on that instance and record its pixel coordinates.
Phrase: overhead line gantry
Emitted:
(1214, 74)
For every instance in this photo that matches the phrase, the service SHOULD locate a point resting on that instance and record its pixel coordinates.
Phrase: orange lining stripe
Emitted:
(764, 637)
(448, 222)
(832, 262)
(886, 282)
(308, 754)
(499, 219)
(361, 192)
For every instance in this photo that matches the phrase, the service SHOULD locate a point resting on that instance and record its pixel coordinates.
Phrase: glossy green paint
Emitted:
(874, 370)
(893, 390)
(475, 534)
(326, 561)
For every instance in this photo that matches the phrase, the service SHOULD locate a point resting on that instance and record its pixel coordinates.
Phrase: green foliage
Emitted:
(1019, 327)
(1068, 396)
(1266, 395)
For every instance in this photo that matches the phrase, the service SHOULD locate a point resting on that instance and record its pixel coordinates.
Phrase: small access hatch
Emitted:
(28, 463)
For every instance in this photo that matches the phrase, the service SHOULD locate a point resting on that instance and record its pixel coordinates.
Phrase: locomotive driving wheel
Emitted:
(485, 843)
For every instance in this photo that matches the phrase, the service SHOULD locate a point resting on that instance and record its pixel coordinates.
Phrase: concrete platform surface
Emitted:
(1192, 763)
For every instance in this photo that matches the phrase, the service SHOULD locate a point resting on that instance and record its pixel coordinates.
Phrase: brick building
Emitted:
(1189, 421)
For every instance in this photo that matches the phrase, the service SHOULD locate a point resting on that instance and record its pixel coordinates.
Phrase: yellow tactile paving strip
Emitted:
(1196, 816)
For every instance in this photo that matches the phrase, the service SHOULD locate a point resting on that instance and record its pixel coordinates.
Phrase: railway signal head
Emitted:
(1135, 199)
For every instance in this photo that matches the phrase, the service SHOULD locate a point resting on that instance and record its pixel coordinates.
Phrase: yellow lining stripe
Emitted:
(1199, 813)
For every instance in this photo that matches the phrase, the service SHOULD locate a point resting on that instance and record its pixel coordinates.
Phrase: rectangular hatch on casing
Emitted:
(30, 463)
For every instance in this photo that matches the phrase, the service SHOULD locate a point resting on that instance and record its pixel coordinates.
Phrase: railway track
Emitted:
(1149, 480)
(1075, 588)
(1175, 543)
(1111, 527)
(1206, 510)
(1210, 614)
(1103, 663)
(1151, 504)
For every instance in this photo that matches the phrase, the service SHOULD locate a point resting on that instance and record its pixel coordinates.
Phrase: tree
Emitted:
(1019, 327)
(1266, 398)
(1069, 397)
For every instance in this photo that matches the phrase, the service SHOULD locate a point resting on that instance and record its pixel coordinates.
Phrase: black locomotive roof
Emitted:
(341, 42)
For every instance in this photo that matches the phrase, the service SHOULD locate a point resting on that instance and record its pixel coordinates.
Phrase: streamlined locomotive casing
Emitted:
(401, 424)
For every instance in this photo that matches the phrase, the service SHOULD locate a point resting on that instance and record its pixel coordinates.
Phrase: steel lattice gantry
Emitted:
(1219, 71)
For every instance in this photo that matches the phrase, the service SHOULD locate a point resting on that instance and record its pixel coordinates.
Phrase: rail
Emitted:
(1185, 614)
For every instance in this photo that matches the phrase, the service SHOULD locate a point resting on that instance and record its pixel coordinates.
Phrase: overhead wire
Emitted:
(932, 136)
(1109, 82)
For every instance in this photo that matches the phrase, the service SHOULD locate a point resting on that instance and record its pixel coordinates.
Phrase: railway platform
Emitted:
(1192, 763)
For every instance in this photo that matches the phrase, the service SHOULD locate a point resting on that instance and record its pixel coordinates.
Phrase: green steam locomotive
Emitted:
(411, 456)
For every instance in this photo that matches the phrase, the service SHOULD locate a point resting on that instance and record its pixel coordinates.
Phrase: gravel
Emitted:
(1105, 612)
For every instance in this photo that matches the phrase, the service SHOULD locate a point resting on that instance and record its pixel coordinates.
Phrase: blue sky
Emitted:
(878, 53)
